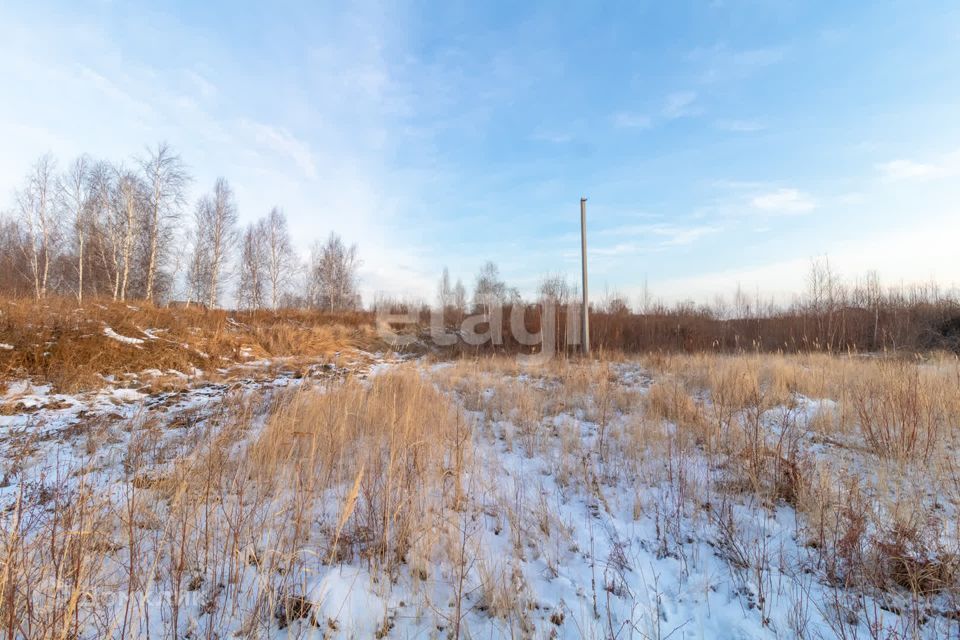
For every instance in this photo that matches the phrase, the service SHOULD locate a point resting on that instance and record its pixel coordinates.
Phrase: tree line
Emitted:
(123, 230)
(832, 313)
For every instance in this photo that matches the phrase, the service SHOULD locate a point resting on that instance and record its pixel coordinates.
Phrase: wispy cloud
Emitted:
(680, 104)
(740, 126)
(665, 234)
(115, 92)
(628, 120)
(905, 169)
(283, 143)
(723, 64)
(201, 85)
(783, 201)
(638, 239)
(553, 137)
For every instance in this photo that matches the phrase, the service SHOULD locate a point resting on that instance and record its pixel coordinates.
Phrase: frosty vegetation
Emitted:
(809, 496)
(174, 469)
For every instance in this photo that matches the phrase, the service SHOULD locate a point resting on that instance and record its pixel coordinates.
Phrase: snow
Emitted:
(586, 550)
(346, 598)
(110, 333)
(6, 347)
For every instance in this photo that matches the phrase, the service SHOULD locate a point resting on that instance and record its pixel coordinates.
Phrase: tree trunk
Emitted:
(152, 262)
(80, 272)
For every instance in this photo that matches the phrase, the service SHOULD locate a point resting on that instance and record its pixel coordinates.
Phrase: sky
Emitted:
(720, 144)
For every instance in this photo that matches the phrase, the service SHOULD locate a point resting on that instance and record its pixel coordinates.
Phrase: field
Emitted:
(216, 486)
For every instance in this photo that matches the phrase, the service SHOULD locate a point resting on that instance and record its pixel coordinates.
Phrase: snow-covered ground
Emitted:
(581, 518)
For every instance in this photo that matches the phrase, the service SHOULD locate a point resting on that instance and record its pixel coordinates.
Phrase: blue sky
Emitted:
(718, 142)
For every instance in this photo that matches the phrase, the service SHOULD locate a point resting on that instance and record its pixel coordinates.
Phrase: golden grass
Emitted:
(397, 441)
(207, 507)
(385, 472)
(898, 417)
(55, 341)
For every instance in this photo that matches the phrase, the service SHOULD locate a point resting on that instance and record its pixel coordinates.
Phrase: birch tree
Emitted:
(281, 259)
(128, 202)
(75, 196)
(35, 203)
(444, 290)
(333, 278)
(216, 235)
(106, 222)
(490, 291)
(253, 266)
(197, 277)
(459, 297)
(166, 181)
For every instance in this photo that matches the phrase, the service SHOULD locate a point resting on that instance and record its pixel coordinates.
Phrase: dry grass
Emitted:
(55, 341)
(397, 444)
(877, 507)
(234, 516)
(246, 508)
(879, 504)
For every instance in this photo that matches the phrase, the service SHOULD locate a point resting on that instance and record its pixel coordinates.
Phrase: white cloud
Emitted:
(282, 142)
(905, 169)
(665, 234)
(905, 256)
(723, 64)
(680, 104)
(783, 201)
(740, 126)
(204, 87)
(115, 93)
(628, 120)
(554, 137)
(645, 238)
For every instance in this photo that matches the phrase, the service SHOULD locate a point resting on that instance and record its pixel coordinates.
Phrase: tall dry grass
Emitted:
(397, 444)
(861, 448)
(872, 473)
(57, 342)
(236, 516)
(239, 514)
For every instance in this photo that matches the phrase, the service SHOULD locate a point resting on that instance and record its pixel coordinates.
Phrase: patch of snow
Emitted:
(127, 395)
(346, 597)
(6, 347)
(110, 333)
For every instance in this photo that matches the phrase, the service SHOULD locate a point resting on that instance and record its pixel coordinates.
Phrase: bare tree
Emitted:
(333, 277)
(15, 274)
(198, 268)
(109, 223)
(444, 290)
(99, 220)
(253, 266)
(874, 298)
(216, 235)
(459, 297)
(825, 293)
(128, 204)
(554, 289)
(74, 190)
(35, 202)
(646, 298)
(490, 290)
(166, 179)
(281, 259)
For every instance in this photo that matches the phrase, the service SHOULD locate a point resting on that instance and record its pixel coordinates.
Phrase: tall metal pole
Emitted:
(585, 310)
